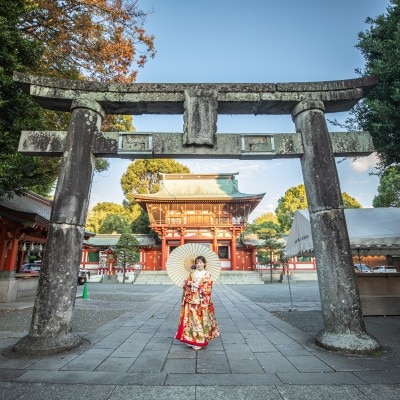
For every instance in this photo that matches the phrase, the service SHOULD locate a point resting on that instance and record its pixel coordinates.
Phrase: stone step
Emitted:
(153, 278)
(226, 277)
(240, 278)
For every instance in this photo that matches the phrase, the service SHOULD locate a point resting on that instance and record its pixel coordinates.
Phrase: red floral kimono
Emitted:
(197, 323)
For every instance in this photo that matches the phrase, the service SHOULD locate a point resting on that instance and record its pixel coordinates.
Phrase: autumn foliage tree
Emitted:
(101, 40)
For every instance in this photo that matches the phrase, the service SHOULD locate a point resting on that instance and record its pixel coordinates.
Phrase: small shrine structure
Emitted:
(201, 208)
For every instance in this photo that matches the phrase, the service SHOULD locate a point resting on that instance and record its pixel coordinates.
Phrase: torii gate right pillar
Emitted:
(341, 307)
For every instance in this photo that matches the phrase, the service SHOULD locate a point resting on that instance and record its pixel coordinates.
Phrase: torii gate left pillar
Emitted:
(50, 329)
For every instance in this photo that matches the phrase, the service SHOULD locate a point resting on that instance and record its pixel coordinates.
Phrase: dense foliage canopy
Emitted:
(127, 251)
(388, 189)
(143, 176)
(17, 111)
(108, 217)
(79, 39)
(295, 199)
(379, 112)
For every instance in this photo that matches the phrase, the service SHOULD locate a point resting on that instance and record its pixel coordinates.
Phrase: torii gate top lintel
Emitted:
(170, 98)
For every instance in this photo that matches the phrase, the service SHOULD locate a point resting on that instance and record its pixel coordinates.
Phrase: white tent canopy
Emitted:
(372, 231)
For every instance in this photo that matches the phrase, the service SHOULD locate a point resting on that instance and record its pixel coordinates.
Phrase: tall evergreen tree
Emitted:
(379, 112)
(17, 111)
(127, 250)
(388, 189)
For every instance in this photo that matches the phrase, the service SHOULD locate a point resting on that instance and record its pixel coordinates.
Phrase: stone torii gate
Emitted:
(200, 105)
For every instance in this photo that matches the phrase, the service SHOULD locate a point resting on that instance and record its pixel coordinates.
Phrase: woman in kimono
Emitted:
(197, 323)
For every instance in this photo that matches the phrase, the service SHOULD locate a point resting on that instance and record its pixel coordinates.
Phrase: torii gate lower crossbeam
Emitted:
(200, 104)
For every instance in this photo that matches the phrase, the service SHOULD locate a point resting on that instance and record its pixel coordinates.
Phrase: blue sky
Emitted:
(253, 41)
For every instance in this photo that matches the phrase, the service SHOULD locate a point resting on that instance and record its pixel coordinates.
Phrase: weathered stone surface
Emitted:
(341, 306)
(162, 98)
(200, 117)
(169, 145)
(56, 293)
(319, 170)
(50, 329)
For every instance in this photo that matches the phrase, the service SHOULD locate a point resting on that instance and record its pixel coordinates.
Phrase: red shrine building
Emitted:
(200, 208)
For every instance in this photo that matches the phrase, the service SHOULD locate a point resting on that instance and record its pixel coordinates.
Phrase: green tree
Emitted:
(388, 189)
(266, 217)
(141, 224)
(379, 112)
(17, 111)
(76, 39)
(101, 211)
(127, 250)
(350, 202)
(295, 199)
(114, 223)
(143, 176)
(273, 244)
(259, 228)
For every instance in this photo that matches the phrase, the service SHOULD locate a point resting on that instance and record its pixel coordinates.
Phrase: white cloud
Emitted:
(363, 164)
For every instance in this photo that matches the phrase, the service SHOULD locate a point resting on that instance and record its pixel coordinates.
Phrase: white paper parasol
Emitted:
(182, 258)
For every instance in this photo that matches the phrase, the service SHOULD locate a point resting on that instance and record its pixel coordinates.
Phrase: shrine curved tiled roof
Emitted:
(198, 187)
(31, 203)
(111, 240)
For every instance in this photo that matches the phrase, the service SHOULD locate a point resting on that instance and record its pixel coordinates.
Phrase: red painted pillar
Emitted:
(233, 252)
(12, 253)
(163, 252)
(3, 249)
(215, 242)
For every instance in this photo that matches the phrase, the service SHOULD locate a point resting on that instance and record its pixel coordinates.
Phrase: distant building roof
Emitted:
(27, 209)
(111, 240)
(198, 187)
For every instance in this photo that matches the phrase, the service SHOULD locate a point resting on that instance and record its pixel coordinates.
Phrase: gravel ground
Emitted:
(106, 302)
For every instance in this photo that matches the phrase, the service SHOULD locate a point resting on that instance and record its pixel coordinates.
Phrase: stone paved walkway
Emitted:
(257, 356)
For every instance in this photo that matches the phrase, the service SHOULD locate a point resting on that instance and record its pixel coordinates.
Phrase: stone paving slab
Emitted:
(36, 391)
(222, 379)
(320, 378)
